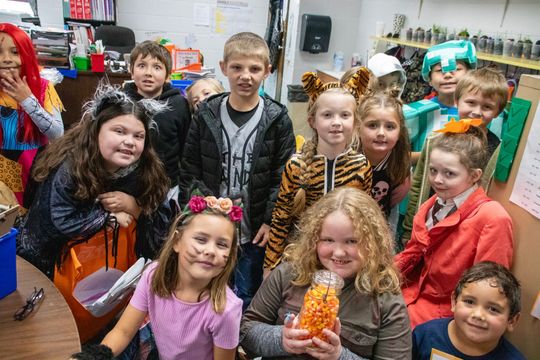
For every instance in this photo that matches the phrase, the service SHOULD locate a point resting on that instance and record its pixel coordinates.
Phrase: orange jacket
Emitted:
(434, 260)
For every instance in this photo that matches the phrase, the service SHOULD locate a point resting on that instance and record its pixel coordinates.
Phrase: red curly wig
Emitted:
(29, 68)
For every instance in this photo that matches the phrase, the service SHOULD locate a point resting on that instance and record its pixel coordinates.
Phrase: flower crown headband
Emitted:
(356, 85)
(459, 127)
(198, 204)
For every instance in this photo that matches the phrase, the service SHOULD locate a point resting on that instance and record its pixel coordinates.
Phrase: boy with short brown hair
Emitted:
(480, 94)
(486, 302)
(150, 65)
(237, 147)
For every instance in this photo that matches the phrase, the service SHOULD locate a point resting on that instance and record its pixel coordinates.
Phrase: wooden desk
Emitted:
(75, 92)
(49, 332)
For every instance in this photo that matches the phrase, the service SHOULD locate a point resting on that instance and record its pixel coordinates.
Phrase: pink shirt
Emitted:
(187, 330)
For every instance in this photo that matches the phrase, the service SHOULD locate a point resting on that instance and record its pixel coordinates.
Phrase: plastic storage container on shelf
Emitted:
(182, 85)
(8, 267)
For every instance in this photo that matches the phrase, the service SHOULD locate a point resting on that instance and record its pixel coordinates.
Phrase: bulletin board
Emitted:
(526, 233)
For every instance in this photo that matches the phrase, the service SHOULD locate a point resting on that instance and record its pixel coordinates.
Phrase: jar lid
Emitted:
(328, 278)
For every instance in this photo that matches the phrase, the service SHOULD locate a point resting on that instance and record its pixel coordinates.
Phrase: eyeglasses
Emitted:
(32, 302)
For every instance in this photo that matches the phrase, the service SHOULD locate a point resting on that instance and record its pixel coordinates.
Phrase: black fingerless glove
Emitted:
(94, 352)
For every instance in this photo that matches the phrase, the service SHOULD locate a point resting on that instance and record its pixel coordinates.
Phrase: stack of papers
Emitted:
(196, 75)
(51, 46)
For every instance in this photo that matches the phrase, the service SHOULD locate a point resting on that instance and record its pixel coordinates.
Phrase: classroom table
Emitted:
(49, 332)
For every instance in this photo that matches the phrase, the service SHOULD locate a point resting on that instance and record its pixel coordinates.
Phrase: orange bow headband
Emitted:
(459, 127)
(356, 85)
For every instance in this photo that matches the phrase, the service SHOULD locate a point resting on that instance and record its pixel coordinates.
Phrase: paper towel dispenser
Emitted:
(315, 33)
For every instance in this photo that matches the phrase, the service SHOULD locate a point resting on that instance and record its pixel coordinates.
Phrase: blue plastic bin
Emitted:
(8, 268)
(181, 84)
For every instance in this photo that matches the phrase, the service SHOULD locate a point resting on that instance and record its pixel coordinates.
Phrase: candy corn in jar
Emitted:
(321, 304)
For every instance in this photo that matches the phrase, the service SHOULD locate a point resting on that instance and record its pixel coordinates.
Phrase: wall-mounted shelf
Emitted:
(93, 12)
(94, 23)
(524, 63)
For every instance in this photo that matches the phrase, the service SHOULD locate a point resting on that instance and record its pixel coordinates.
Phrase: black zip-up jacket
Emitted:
(173, 125)
(202, 164)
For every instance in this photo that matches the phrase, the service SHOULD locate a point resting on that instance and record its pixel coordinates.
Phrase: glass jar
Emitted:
(409, 34)
(498, 47)
(321, 304)
(527, 49)
(490, 45)
(517, 49)
(507, 47)
(481, 44)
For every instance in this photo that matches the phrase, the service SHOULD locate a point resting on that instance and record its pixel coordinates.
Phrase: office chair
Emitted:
(116, 38)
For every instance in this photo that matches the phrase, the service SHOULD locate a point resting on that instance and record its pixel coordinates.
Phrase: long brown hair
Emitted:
(400, 156)
(375, 244)
(166, 275)
(79, 147)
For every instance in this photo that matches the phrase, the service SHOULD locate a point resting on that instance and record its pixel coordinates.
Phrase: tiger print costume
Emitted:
(348, 169)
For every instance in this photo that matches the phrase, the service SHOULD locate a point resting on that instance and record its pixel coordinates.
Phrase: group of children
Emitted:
(152, 163)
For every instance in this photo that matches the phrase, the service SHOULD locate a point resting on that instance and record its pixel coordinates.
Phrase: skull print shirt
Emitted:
(381, 189)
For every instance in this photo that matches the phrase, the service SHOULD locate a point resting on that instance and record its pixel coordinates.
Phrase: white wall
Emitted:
(353, 22)
(344, 15)
(50, 13)
(172, 19)
(475, 15)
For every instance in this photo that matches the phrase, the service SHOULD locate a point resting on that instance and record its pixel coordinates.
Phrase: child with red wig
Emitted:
(29, 109)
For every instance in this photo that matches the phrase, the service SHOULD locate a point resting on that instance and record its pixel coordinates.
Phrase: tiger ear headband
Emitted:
(356, 85)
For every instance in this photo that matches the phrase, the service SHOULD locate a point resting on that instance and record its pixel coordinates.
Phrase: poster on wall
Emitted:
(231, 16)
(182, 59)
(526, 191)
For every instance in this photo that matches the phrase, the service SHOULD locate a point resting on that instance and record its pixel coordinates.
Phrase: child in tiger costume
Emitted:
(327, 161)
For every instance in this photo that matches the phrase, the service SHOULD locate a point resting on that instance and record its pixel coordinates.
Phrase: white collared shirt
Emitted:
(448, 205)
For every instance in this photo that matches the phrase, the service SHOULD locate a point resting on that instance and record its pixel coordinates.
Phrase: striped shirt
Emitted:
(348, 169)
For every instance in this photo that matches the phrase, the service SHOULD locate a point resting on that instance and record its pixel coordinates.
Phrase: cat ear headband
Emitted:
(459, 127)
(107, 95)
(356, 85)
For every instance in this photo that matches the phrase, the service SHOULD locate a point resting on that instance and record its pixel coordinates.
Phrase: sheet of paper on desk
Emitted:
(536, 307)
(100, 292)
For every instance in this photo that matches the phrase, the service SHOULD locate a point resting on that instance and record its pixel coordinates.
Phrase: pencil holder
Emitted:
(81, 63)
(98, 62)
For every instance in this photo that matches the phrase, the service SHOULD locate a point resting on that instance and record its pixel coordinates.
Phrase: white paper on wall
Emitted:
(201, 14)
(526, 191)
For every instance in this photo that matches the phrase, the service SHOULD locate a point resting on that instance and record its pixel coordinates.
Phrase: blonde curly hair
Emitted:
(375, 245)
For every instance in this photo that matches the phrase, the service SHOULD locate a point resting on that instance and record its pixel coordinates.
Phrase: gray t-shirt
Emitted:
(237, 156)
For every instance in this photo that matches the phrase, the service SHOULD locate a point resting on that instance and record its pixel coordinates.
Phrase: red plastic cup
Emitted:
(98, 62)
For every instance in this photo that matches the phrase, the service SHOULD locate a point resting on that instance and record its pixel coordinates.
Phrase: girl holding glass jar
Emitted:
(346, 233)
